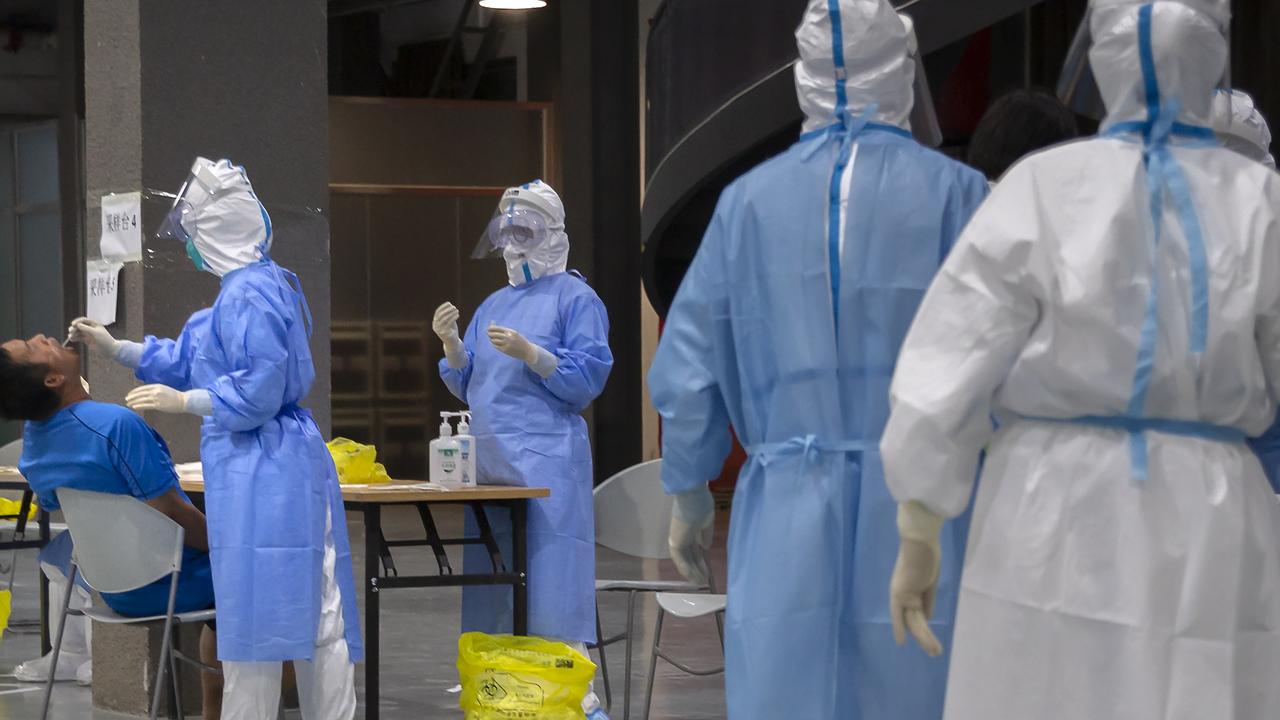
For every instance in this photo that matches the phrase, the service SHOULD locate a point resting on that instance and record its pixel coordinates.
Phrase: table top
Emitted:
(393, 493)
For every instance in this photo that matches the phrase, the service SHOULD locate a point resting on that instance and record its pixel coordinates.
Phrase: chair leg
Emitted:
(161, 670)
(626, 681)
(57, 642)
(174, 673)
(165, 655)
(604, 661)
(653, 662)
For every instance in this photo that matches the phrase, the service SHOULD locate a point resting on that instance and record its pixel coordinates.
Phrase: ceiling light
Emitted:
(513, 4)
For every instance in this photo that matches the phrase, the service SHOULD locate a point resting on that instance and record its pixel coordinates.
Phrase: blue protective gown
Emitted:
(753, 339)
(269, 479)
(529, 431)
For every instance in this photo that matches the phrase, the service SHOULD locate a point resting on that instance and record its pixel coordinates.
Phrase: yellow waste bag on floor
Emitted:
(355, 463)
(6, 606)
(505, 677)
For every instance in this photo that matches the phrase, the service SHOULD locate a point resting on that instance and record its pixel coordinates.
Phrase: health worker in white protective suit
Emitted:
(1115, 304)
(1242, 128)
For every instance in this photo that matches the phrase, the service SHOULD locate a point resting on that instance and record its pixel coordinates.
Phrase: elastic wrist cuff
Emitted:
(917, 522)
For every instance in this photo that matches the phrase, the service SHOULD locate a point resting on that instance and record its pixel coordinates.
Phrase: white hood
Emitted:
(549, 257)
(1241, 127)
(232, 229)
(877, 64)
(1189, 52)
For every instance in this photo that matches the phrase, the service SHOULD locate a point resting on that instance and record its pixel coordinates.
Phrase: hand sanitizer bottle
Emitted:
(466, 449)
(445, 466)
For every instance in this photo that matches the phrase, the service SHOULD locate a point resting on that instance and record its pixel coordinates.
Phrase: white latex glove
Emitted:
(93, 334)
(914, 585)
(445, 325)
(513, 343)
(539, 359)
(161, 398)
(692, 530)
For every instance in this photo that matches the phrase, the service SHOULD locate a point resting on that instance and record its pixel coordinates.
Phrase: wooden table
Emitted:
(379, 566)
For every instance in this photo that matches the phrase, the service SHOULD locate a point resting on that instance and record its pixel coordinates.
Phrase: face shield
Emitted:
(180, 223)
(521, 229)
(1077, 87)
(924, 117)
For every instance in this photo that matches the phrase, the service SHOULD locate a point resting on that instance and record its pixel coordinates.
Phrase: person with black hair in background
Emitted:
(1016, 125)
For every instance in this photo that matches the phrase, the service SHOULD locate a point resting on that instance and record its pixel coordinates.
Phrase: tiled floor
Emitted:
(419, 635)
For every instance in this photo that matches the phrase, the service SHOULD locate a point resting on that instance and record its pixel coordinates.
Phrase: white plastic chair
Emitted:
(682, 605)
(123, 544)
(633, 517)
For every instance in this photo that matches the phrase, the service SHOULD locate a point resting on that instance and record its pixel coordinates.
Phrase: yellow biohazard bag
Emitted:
(505, 677)
(11, 508)
(356, 463)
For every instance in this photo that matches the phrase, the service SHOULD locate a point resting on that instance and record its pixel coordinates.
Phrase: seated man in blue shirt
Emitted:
(71, 441)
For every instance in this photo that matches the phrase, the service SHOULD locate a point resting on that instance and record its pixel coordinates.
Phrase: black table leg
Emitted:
(486, 535)
(433, 537)
(520, 563)
(372, 557)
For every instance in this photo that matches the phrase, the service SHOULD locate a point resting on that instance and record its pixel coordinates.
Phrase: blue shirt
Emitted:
(110, 449)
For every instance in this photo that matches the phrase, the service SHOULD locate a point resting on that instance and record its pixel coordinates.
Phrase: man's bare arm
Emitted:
(181, 511)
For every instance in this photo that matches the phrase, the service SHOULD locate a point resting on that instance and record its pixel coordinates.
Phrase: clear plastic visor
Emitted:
(519, 228)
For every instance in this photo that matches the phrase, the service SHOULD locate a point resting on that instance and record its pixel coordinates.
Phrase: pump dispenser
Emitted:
(446, 468)
(466, 449)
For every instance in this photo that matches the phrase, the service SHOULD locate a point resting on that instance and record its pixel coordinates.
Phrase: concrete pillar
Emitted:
(124, 671)
(163, 83)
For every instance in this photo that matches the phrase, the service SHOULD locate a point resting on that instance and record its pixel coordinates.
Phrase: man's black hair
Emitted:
(23, 394)
(1017, 125)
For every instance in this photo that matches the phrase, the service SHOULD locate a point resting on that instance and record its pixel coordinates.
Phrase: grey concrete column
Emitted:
(241, 79)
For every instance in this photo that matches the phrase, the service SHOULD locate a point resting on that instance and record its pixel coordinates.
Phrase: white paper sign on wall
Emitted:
(103, 291)
(122, 227)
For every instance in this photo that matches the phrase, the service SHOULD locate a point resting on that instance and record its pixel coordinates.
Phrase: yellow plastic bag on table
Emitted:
(11, 508)
(505, 677)
(355, 463)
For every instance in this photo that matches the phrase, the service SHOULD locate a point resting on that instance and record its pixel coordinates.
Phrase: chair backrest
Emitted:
(11, 453)
(633, 513)
(121, 543)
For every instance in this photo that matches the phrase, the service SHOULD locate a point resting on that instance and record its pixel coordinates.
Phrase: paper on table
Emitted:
(408, 486)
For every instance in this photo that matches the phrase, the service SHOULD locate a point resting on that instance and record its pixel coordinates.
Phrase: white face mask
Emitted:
(548, 258)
